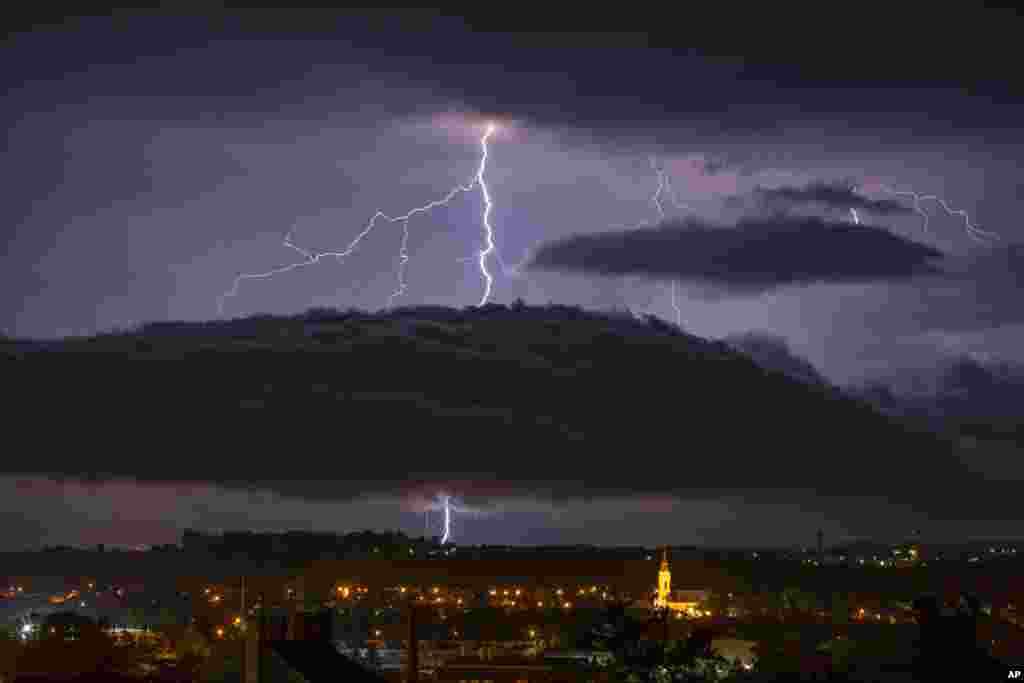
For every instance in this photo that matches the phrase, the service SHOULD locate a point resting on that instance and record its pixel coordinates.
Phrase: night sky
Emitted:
(150, 160)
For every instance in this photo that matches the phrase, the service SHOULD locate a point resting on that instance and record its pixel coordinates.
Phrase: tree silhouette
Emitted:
(70, 643)
(948, 643)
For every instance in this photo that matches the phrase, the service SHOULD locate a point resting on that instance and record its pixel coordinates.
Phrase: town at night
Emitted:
(497, 346)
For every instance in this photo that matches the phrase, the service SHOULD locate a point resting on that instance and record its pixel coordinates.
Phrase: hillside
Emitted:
(495, 393)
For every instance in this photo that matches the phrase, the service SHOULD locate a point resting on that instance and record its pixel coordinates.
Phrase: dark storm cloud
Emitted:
(772, 352)
(989, 294)
(518, 405)
(621, 88)
(979, 291)
(755, 255)
(835, 196)
(630, 86)
(982, 399)
(717, 165)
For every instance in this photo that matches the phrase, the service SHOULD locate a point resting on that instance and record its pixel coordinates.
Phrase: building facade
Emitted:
(676, 601)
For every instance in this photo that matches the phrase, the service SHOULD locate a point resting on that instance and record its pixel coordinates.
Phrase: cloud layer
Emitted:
(754, 255)
(486, 403)
(832, 196)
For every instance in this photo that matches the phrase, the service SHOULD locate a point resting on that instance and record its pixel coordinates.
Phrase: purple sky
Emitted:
(151, 161)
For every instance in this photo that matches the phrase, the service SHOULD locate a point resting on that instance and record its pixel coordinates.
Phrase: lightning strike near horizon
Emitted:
(312, 258)
(675, 306)
(856, 218)
(974, 232)
(446, 501)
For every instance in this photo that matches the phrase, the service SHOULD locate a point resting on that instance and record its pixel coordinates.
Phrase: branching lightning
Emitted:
(972, 230)
(665, 185)
(312, 258)
(663, 193)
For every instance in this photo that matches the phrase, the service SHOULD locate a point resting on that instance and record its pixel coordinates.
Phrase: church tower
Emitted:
(664, 581)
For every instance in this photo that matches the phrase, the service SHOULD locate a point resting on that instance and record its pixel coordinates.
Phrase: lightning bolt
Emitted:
(311, 258)
(665, 185)
(403, 258)
(675, 306)
(446, 502)
(972, 230)
(488, 230)
(856, 218)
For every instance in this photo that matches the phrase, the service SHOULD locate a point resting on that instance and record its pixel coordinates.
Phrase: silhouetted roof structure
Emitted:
(318, 661)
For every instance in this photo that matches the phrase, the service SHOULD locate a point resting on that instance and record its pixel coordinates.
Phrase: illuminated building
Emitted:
(687, 603)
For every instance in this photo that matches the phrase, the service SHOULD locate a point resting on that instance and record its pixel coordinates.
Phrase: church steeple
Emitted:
(664, 581)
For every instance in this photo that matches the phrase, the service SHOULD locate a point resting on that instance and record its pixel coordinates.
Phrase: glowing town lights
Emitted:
(518, 591)
(540, 604)
(566, 605)
(238, 621)
(559, 591)
(506, 592)
(494, 592)
(402, 589)
(220, 632)
(436, 589)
